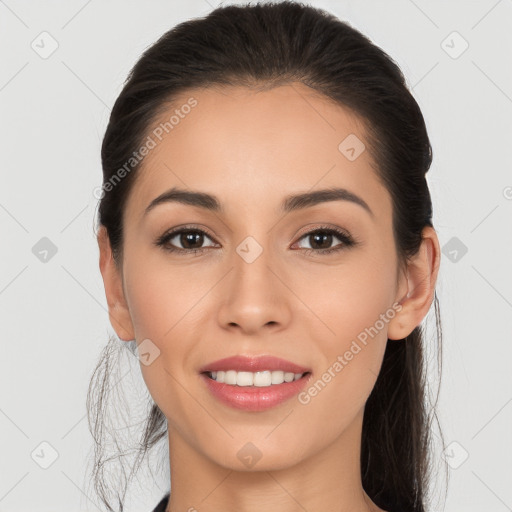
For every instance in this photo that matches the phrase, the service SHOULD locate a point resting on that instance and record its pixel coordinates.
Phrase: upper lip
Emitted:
(253, 364)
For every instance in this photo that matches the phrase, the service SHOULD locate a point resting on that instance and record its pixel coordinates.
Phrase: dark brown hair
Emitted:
(262, 46)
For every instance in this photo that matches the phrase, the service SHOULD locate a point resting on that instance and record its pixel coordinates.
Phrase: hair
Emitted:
(263, 46)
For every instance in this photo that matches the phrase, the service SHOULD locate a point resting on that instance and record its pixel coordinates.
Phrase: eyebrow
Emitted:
(290, 203)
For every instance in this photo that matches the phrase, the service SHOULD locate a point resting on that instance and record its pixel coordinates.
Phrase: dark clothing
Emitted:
(163, 504)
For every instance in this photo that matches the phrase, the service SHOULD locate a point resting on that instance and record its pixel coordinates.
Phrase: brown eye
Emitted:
(191, 240)
(320, 240)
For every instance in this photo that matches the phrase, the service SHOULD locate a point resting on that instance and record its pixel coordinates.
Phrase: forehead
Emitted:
(250, 148)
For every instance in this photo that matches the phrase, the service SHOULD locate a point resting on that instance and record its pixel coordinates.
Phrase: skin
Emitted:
(251, 149)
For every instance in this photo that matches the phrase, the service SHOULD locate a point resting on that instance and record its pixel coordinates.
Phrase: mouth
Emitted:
(259, 379)
(254, 391)
(254, 383)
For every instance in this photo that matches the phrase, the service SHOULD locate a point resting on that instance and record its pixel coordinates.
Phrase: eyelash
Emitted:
(347, 240)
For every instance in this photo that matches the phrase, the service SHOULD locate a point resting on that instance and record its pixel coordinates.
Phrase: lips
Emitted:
(253, 364)
(253, 398)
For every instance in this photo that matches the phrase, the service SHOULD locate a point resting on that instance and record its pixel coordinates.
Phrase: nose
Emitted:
(254, 294)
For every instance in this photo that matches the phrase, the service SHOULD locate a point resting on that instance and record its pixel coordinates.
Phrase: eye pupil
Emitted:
(318, 236)
(189, 236)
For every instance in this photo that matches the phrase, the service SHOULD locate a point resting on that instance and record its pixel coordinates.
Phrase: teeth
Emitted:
(259, 379)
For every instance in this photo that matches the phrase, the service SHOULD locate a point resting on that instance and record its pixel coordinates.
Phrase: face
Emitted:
(263, 280)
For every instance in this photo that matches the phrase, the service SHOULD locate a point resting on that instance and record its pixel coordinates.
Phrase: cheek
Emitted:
(349, 365)
(351, 298)
(162, 308)
(166, 305)
(353, 303)
(161, 296)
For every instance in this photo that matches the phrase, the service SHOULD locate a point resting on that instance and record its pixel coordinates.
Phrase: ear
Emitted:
(416, 290)
(118, 311)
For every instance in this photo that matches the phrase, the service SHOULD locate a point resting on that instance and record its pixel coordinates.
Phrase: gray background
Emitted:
(54, 322)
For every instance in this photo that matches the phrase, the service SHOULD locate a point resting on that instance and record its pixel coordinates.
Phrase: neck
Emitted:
(328, 480)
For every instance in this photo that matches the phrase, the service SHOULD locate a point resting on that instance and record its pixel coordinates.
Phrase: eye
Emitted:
(191, 240)
(324, 236)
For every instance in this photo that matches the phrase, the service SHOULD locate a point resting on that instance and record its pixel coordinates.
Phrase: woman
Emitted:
(266, 242)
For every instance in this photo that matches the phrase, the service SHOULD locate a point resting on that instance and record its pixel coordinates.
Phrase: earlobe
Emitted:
(118, 311)
(419, 286)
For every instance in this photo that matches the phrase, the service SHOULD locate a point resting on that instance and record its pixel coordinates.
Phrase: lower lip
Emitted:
(253, 398)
